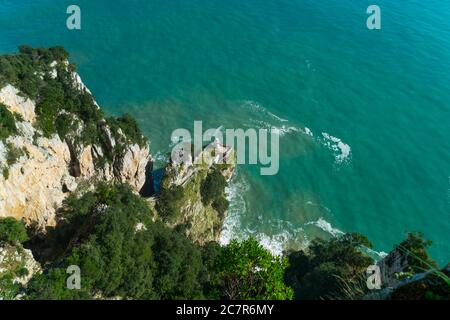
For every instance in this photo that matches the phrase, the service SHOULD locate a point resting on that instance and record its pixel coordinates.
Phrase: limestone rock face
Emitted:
(33, 189)
(13, 258)
(203, 223)
(10, 97)
(46, 170)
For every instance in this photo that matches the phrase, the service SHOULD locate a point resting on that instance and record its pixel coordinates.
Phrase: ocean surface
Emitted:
(364, 116)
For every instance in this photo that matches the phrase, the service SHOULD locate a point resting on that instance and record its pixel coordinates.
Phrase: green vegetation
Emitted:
(62, 107)
(128, 125)
(414, 250)
(434, 286)
(168, 204)
(7, 123)
(24, 70)
(13, 154)
(319, 273)
(213, 192)
(12, 231)
(8, 288)
(12, 234)
(247, 271)
(118, 259)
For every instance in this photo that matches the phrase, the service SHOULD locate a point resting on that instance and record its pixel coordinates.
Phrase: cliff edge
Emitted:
(54, 139)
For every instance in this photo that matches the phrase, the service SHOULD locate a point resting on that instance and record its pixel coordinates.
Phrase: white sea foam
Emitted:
(278, 243)
(378, 255)
(342, 151)
(252, 105)
(235, 193)
(283, 130)
(276, 117)
(272, 121)
(161, 157)
(326, 226)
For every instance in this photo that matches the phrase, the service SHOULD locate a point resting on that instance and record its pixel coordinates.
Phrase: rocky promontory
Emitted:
(50, 146)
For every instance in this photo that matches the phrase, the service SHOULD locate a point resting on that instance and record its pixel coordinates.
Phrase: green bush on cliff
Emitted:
(434, 286)
(121, 253)
(12, 231)
(212, 191)
(8, 288)
(221, 205)
(128, 125)
(13, 154)
(327, 267)
(52, 285)
(168, 204)
(247, 271)
(56, 98)
(414, 250)
(212, 187)
(24, 70)
(7, 123)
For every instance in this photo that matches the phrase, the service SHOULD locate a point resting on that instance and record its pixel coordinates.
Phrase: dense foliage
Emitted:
(212, 191)
(12, 231)
(122, 253)
(414, 250)
(246, 271)
(168, 204)
(8, 128)
(12, 234)
(7, 123)
(63, 106)
(23, 70)
(325, 269)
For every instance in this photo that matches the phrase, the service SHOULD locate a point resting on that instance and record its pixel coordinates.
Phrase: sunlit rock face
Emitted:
(47, 169)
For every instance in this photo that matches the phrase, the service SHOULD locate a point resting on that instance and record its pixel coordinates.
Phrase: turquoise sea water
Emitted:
(292, 64)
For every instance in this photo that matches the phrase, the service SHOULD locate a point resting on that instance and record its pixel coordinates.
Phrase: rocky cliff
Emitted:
(192, 194)
(56, 140)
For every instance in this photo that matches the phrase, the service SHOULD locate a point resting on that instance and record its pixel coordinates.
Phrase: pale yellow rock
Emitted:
(41, 179)
(33, 189)
(87, 167)
(10, 97)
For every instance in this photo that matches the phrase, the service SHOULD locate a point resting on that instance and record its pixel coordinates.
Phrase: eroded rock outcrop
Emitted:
(17, 262)
(181, 200)
(39, 172)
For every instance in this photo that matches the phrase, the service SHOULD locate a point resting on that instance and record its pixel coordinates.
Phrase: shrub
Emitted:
(414, 249)
(8, 288)
(168, 204)
(13, 154)
(12, 231)
(221, 205)
(117, 260)
(213, 187)
(129, 127)
(319, 272)
(247, 271)
(7, 123)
